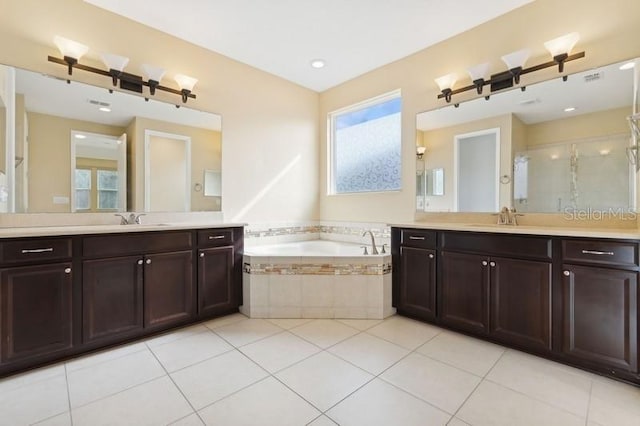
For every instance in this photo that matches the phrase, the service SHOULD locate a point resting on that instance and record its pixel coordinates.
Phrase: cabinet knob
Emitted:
(430, 256)
(201, 254)
(67, 270)
(492, 264)
(484, 263)
(566, 273)
(148, 262)
(140, 262)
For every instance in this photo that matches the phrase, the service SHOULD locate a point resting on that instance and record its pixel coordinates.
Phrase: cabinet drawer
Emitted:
(35, 250)
(498, 245)
(600, 252)
(141, 243)
(215, 237)
(418, 238)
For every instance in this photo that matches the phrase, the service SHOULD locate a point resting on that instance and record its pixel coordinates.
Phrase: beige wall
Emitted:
(50, 158)
(605, 28)
(270, 132)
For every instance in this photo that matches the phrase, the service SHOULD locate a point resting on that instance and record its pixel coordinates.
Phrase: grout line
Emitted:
(586, 420)
(66, 379)
(177, 387)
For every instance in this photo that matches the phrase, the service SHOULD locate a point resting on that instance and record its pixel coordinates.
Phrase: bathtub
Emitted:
(316, 279)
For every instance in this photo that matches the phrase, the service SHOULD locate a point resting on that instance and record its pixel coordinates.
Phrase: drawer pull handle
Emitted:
(431, 256)
(40, 250)
(148, 262)
(492, 264)
(216, 237)
(140, 262)
(201, 254)
(67, 270)
(416, 238)
(484, 263)
(566, 273)
(598, 252)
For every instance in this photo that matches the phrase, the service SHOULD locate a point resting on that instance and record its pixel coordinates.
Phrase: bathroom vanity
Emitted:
(565, 297)
(70, 291)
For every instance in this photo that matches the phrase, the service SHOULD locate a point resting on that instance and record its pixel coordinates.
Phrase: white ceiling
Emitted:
(283, 36)
(543, 101)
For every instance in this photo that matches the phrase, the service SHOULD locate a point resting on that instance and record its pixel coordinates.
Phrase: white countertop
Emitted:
(620, 233)
(44, 231)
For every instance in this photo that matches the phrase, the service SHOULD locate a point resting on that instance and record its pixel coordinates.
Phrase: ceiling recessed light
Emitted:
(570, 109)
(627, 66)
(318, 63)
(79, 136)
(105, 109)
(604, 152)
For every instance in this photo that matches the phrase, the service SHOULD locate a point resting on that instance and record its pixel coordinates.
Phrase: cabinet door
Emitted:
(112, 298)
(600, 315)
(216, 294)
(521, 302)
(464, 291)
(168, 288)
(36, 310)
(418, 282)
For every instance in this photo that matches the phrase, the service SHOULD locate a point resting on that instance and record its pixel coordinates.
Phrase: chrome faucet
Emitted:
(508, 216)
(374, 249)
(131, 220)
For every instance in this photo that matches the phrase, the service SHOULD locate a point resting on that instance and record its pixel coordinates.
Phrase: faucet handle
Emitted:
(123, 220)
(365, 250)
(383, 251)
(137, 218)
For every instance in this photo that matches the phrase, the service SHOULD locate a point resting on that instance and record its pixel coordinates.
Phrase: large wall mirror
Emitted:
(554, 147)
(79, 148)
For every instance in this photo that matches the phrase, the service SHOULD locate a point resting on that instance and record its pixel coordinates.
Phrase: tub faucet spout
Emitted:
(374, 249)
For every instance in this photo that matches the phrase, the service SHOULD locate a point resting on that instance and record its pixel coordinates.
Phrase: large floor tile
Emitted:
(192, 420)
(547, 381)
(494, 405)
(226, 320)
(175, 335)
(241, 333)
(267, 402)
(324, 333)
(439, 384)
(323, 379)
(31, 377)
(323, 421)
(103, 356)
(279, 351)
(457, 422)
(463, 352)
(405, 332)
(190, 350)
(288, 323)
(63, 419)
(216, 378)
(360, 324)
(92, 383)
(157, 402)
(34, 402)
(614, 403)
(369, 352)
(379, 403)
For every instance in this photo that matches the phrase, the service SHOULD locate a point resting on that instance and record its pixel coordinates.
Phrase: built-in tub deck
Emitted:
(316, 279)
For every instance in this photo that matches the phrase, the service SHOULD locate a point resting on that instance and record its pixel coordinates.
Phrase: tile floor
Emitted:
(239, 371)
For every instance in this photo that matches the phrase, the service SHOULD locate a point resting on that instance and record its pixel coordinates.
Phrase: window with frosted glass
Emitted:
(366, 147)
(83, 189)
(107, 189)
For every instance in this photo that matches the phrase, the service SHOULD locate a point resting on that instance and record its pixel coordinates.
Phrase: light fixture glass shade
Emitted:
(185, 82)
(420, 150)
(480, 71)
(70, 48)
(561, 45)
(446, 81)
(516, 59)
(152, 72)
(114, 62)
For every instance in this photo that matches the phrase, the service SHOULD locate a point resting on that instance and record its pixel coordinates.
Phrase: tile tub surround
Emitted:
(311, 280)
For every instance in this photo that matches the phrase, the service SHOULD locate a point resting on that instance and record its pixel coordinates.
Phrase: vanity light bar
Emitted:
(116, 64)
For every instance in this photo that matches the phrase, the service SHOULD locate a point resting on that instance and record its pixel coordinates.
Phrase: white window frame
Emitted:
(331, 186)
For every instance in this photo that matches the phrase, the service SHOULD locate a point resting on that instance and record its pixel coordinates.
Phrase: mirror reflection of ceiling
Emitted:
(598, 89)
(53, 96)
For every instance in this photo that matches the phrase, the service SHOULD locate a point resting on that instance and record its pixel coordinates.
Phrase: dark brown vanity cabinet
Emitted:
(417, 274)
(36, 299)
(508, 298)
(600, 303)
(152, 288)
(219, 273)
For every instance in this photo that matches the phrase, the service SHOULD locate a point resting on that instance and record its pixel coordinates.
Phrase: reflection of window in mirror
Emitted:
(212, 183)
